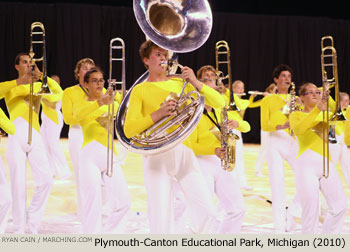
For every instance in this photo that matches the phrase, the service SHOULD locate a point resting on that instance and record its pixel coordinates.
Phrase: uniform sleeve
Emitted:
(206, 148)
(118, 97)
(244, 126)
(67, 109)
(56, 90)
(85, 109)
(6, 124)
(212, 97)
(347, 127)
(135, 121)
(301, 125)
(6, 86)
(266, 124)
(254, 104)
(242, 104)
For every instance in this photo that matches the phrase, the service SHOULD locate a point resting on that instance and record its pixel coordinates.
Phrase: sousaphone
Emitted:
(178, 26)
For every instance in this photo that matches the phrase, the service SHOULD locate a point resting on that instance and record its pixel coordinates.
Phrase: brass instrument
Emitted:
(222, 48)
(178, 26)
(112, 85)
(228, 141)
(329, 78)
(37, 29)
(220, 87)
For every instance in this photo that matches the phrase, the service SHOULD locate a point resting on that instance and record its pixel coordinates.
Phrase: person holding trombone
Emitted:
(309, 127)
(17, 93)
(92, 114)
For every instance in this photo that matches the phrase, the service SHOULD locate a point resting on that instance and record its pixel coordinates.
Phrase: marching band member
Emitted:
(16, 99)
(208, 149)
(51, 126)
(339, 150)
(347, 127)
(180, 162)
(71, 96)
(5, 199)
(282, 147)
(92, 114)
(307, 126)
(242, 104)
(264, 135)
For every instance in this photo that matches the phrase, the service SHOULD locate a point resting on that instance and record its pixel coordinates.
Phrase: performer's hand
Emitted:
(322, 105)
(167, 108)
(232, 124)
(37, 73)
(188, 75)
(107, 98)
(286, 125)
(220, 152)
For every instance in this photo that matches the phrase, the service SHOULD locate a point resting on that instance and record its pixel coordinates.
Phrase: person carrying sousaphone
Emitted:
(147, 106)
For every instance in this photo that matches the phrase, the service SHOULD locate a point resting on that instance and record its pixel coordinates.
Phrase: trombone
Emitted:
(222, 48)
(37, 29)
(329, 61)
(112, 85)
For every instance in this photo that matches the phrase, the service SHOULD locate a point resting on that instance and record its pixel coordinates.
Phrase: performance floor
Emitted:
(60, 215)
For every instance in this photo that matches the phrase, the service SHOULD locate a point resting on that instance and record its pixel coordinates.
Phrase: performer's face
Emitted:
(85, 67)
(95, 84)
(156, 58)
(23, 66)
(311, 96)
(344, 101)
(283, 81)
(209, 78)
(239, 88)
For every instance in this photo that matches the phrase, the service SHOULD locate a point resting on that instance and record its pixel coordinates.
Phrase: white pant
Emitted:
(282, 147)
(5, 198)
(264, 146)
(92, 167)
(228, 191)
(75, 141)
(239, 171)
(42, 176)
(159, 173)
(50, 132)
(309, 181)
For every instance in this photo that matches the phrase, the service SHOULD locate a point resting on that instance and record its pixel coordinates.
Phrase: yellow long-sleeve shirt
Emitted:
(254, 104)
(73, 96)
(70, 98)
(242, 104)
(49, 103)
(6, 124)
(147, 97)
(308, 128)
(204, 142)
(17, 100)
(347, 127)
(94, 121)
(271, 112)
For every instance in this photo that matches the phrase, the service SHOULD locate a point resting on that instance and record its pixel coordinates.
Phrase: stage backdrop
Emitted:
(258, 43)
